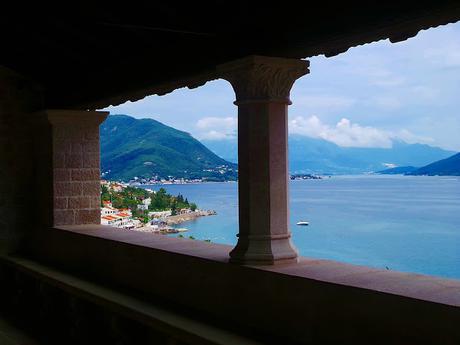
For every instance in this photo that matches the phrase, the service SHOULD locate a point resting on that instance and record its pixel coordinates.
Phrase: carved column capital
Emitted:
(261, 78)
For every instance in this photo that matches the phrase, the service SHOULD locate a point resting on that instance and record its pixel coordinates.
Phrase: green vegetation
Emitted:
(147, 148)
(131, 197)
(449, 166)
(445, 167)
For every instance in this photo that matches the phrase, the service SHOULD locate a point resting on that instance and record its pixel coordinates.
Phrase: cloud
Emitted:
(344, 133)
(411, 138)
(348, 134)
(214, 135)
(216, 128)
(374, 70)
(326, 102)
(443, 51)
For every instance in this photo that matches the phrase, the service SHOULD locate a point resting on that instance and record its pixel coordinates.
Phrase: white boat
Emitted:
(304, 223)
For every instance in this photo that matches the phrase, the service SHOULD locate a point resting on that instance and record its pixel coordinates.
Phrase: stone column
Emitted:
(75, 166)
(262, 86)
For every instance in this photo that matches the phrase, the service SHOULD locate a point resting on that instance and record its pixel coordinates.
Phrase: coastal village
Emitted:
(131, 207)
(127, 207)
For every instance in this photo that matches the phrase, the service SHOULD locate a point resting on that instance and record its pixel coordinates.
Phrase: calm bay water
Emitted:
(409, 224)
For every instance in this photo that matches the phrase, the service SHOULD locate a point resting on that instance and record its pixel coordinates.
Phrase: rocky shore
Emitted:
(181, 218)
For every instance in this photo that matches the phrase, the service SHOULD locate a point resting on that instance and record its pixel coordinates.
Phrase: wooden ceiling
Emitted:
(91, 56)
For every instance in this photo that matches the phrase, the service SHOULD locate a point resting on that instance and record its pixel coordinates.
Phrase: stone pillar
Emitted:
(262, 86)
(75, 166)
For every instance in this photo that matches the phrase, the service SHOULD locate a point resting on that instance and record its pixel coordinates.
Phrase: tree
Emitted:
(193, 207)
(173, 209)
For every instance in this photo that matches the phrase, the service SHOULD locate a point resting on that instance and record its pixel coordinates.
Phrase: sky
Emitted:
(366, 97)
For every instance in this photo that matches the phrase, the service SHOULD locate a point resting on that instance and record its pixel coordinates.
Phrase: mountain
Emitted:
(227, 149)
(448, 166)
(398, 171)
(145, 148)
(318, 156)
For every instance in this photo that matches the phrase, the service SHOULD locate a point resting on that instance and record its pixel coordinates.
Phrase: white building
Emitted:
(145, 204)
(120, 218)
(159, 214)
(108, 209)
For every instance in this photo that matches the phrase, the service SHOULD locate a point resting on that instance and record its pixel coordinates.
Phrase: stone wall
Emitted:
(19, 99)
(76, 166)
(49, 163)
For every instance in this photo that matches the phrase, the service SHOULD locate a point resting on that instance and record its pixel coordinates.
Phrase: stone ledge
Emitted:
(297, 303)
(412, 285)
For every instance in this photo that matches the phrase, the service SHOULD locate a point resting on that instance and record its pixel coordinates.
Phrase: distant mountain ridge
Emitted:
(397, 171)
(318, 156)
(445, 167)
(145, 148)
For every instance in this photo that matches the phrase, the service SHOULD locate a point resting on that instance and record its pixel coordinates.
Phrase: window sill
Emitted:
(283, 299)
(412, 285)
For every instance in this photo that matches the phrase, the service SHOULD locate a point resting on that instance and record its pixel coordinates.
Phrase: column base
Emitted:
(264, 250)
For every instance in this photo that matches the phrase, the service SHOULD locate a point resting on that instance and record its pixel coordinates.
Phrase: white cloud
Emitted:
(216, 128)
(310, 127)
(327, 102)
(214, 135)
(374, 70)
(411, 138)
(348, 134)
(444, 52)
(343, 133)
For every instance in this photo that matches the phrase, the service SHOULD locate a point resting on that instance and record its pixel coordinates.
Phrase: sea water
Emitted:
(403, 223)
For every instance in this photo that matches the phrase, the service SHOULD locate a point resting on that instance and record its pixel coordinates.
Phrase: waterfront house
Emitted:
(184, 211)
(159, 214)
(144, 205)
(121, 220)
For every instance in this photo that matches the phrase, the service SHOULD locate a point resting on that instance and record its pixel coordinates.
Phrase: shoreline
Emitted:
(186, 217)
(174, 220)
(175, 184)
